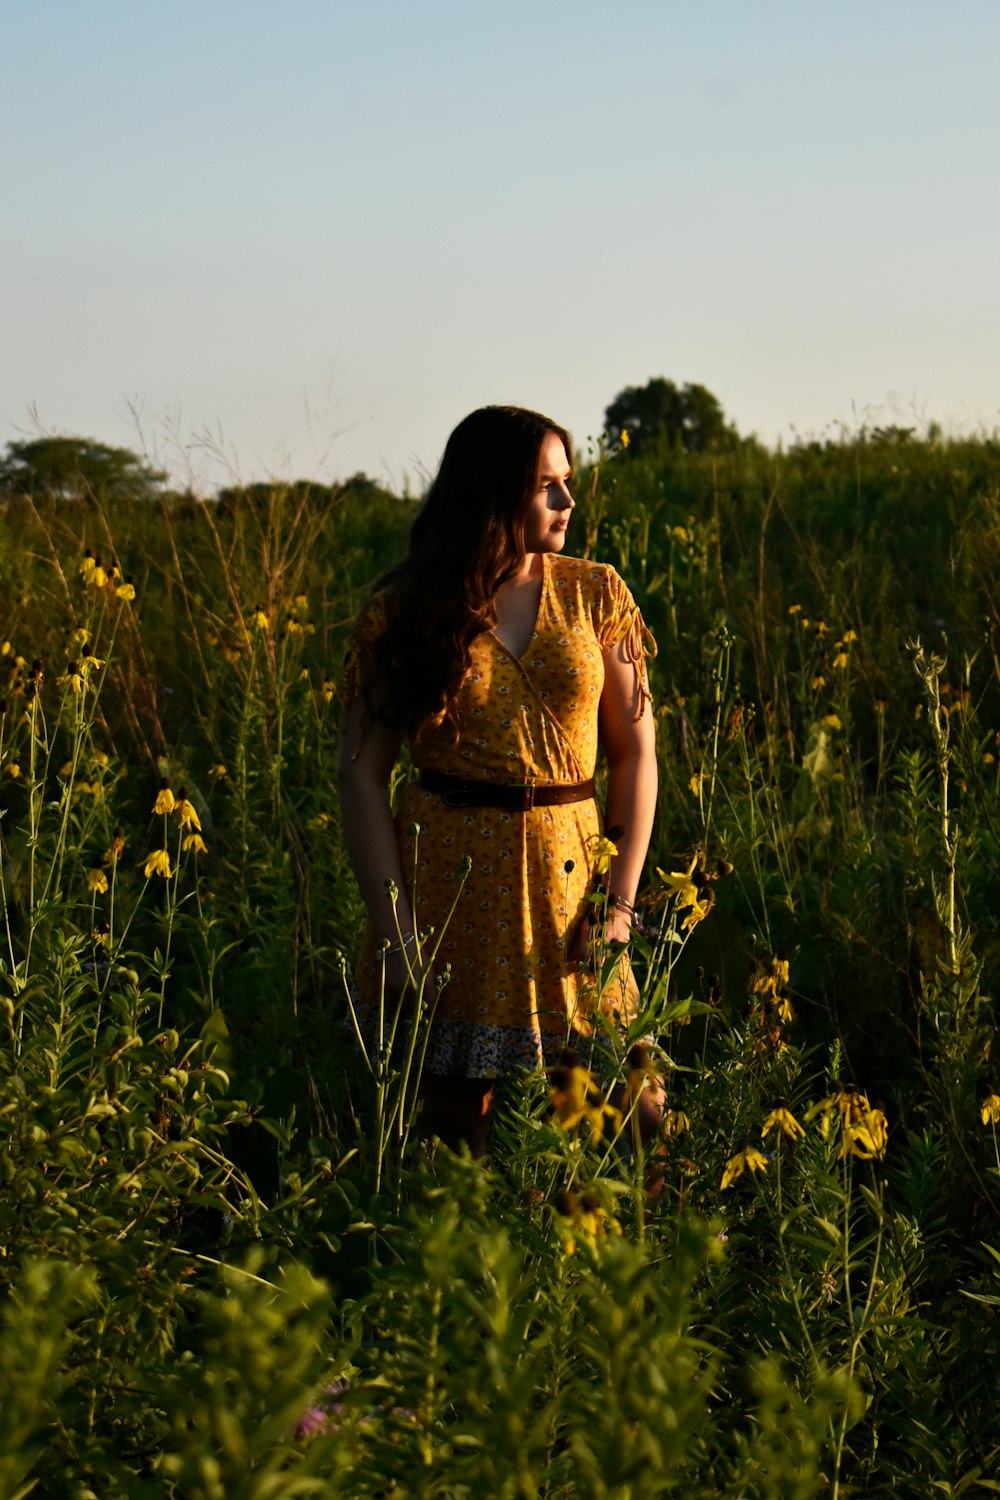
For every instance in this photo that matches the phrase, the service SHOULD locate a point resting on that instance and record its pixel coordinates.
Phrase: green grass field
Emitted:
(230, 1269)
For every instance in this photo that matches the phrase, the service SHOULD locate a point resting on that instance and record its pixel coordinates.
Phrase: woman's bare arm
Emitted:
(366, 762)
(628, 738)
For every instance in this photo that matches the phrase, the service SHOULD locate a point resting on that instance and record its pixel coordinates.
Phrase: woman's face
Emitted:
(549, 508)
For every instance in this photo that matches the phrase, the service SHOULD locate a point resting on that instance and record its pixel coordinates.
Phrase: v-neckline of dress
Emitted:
(534, 626)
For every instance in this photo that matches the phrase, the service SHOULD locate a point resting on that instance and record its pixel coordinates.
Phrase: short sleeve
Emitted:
(621, 622)
(358, 657)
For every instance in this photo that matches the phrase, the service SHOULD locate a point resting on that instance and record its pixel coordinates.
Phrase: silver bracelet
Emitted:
(405, 941)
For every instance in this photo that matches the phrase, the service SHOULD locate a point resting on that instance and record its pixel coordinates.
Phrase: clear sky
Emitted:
(305, 237)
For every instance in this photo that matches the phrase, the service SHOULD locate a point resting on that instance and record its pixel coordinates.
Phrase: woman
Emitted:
(503, 664)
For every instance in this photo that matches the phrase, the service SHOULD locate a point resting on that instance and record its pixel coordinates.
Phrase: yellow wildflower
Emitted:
(849, 637)
(82, 636)
(301, 603)
(602, 852)
(832, 721)
(625, 437)
(320, 821)
(217, 772)
(97, 881)
(674, 1121)
(97, 578)
(195, 843)
(158, 863)
(795, 609)
(328, 691)
(747, 1159)
(260, 619)
(100, 935)
(990, 1110)
(73, 679)
(699, 911)
(114, 851)
(818, 682)
(184, 812)
(680, 534)
(12, 769)
(584, 1218)
(680, 883)
(576, 1097)
(695, 783)
(126, 592)
(785, 1121)
(821, 627)
(840, 661)
(88, 565)
(165, 801)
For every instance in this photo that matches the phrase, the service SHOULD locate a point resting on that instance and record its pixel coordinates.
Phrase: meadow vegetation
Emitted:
(228, 1265)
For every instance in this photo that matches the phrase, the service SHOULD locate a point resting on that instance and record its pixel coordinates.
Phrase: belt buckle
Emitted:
(456, 798)
(529, 797)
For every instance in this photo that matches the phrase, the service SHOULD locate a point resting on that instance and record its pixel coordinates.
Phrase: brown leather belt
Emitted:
(455, 791)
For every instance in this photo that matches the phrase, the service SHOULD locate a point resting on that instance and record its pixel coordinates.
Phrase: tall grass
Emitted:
(230, 1267)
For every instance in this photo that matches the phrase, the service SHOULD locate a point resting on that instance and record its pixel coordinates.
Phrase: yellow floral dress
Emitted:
(514, 998)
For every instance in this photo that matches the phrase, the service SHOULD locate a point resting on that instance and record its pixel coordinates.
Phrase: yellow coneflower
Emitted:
(328, 691)
(699, 911)
(795, 609)
(88, 565)
(185, 813)
(114, 850)
(625, 437)
(12, 769)
(126, 592)
(990, 1110)
(195, 843)
(217, 772)
(840, 661)
(165, 800)
(320, 820)
(82, 636)
(158, 863)
(748, 1159)
(785, 1121)
(260, 620)
(97, 578)
(602, 852)
(818, 682)
(576, 1097)
(831, 721)
(680, 883)
(850, 636)
(72, 679)
(101, 934)
(694, 785)
(97, 881)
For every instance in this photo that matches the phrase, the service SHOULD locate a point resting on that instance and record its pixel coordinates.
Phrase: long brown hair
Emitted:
(467, 540)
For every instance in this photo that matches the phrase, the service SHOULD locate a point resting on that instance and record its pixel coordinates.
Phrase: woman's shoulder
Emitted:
(582, 572)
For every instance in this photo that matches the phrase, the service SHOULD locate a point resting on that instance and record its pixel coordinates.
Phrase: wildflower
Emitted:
(695, 784)
(795, 609)
(821, 627)
(625, 437)
(82, 636)
(576, 1097)
(832, 721)
(261, 620)
(158, 863)
(866, 1132)
(126, 591)
(184, 812)
(785, 1121)
(73, 679)
(840, 661)
(582, 1217)
(328, 691)
(96, 578)
(880, 706)
(748, 1158)
(699, 911)
(680, 883)
(818, 682)
(990, 1110)
(320, 821)
(195, 843)
(97, 881)
(850, 636)
(88, 565)
(114, 850)
(217, 772)
(301, 603)
(12, 769)
(785, 1011)
(101, 934)
(165, 801)
(674, 1122)
(602, 852)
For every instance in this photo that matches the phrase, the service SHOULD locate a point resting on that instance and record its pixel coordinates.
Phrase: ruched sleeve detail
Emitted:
(621, 623)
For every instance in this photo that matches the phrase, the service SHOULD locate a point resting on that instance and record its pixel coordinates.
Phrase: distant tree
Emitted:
(688, 416)
(73, 468)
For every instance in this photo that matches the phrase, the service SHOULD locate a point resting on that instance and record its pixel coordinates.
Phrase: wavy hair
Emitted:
(467, 540)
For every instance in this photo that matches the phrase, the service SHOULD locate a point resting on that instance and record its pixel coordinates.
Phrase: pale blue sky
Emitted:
(315, 235)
